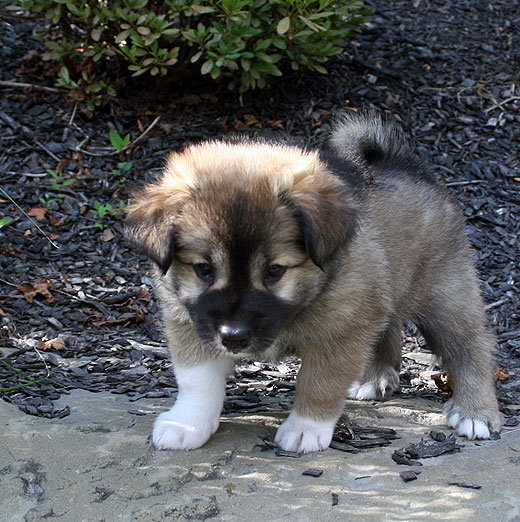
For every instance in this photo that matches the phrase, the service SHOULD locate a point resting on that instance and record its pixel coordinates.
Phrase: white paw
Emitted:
(383, 387)
(302, 434)
(465, 425)
(196, 413)
(177, 430)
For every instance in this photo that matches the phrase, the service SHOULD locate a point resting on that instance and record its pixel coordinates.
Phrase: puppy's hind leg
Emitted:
(455, 330)
(381, 375)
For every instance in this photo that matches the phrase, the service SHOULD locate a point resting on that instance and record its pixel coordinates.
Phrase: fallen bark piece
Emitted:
(439, 436)
(369, 443)
(400, 457)
(343, 447)
(349, 434)
(283, 453)
(432, 448)
(313, 472)
(408, 475)
(469, 485)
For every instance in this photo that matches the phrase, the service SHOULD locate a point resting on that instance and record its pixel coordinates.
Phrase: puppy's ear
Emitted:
(325, 214)
(150, 222)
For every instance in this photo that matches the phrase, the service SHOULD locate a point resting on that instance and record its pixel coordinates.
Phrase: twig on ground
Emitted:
(66, 130)
(20, 85)
(495, 304)
(502, 103)
(50, 153)
(28, 217)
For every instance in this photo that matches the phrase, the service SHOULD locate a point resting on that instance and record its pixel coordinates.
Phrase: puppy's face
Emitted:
(244, 235)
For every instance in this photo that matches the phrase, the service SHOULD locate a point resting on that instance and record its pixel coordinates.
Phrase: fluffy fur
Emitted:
(262, 249)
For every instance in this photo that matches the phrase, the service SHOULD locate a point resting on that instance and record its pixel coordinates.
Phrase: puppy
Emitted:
(261, 250)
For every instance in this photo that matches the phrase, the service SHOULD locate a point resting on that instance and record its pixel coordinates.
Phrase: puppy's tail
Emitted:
(368, 138)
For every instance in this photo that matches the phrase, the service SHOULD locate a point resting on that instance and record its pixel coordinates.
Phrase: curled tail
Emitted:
(368, 138)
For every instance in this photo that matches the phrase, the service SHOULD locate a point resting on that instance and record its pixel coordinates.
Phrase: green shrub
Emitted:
(239, 41)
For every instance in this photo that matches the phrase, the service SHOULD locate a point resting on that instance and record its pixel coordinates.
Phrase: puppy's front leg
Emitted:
(196, 413)
(320, 395)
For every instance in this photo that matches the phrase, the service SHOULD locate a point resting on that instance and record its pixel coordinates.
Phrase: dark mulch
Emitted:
(449, 71)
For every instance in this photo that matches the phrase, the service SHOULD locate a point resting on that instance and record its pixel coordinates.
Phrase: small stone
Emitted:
(313, 472)
(409, 475)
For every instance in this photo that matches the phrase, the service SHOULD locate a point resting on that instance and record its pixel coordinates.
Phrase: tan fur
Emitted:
(406, 259)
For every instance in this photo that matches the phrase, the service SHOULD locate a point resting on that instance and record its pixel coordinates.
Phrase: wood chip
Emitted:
(468, 485)
(291, 454)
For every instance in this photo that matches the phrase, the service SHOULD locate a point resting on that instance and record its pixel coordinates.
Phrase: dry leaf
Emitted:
(56, 222)
(442, 381)
(2, 313)
(145, 295)
(123, 318)
(95, 313)
(58, 344)
(77, 157)
(501, 375)
(11, 251)
(107, 235)
(37, 212)
(276, 123)
(30, 291)
(252, 120)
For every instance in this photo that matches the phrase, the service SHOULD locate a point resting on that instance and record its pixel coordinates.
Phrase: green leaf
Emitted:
(283, 25)
(202, 9)
(123, 35)
(196, 57)
(68, 182)
(73, 9)
(64, 74)
(117, 141)
(125, 165)
(138, 70)
(206, 67)
(95, 34)
(319, 68)
(5, 221)
(312, 25)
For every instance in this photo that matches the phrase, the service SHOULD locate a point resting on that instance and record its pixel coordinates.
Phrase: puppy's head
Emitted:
(244, 235)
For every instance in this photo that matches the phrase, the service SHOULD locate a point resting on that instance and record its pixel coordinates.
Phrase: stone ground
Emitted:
(98, 464)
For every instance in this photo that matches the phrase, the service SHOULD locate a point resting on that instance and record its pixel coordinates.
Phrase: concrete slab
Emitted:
(98, 464)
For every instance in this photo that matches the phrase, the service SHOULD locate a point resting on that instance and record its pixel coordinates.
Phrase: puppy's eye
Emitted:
(274, 273)
(204, 271)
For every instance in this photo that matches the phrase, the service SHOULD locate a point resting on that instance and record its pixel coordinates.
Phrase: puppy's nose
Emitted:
(235, 337)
